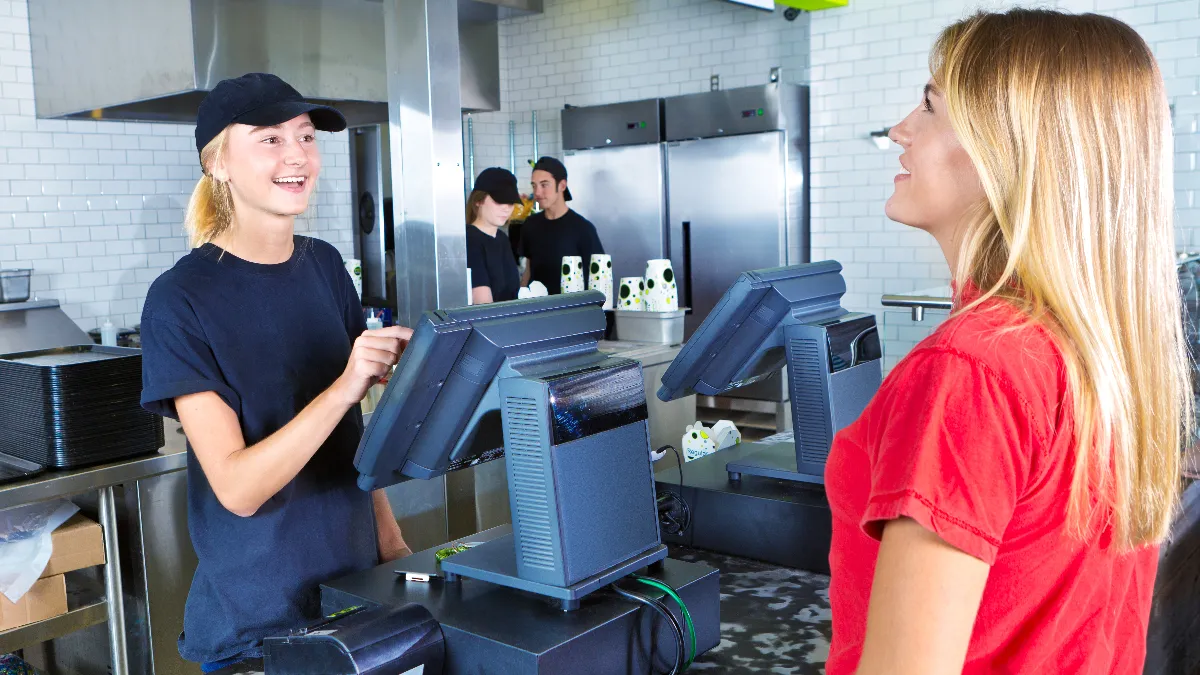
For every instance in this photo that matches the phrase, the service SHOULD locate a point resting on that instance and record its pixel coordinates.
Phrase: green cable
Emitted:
(687, 616)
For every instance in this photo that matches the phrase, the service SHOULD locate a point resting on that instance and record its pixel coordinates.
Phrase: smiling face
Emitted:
(938, 184)
(271, 171)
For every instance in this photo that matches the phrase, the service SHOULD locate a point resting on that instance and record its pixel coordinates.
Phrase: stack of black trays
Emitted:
(75, 406)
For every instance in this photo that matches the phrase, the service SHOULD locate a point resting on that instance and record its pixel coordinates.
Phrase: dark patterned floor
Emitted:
(773, 619)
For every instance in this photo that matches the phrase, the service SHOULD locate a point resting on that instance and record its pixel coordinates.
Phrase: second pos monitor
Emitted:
(787, 315)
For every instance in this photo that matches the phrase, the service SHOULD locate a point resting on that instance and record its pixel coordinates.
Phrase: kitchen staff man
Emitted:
(556, 231)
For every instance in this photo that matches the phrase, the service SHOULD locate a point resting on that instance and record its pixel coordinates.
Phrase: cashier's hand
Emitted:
(374, 354)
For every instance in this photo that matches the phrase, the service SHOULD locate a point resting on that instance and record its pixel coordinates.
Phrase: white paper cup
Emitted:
(630, 296)
(600, 277)
(571, 278)
(662, 293)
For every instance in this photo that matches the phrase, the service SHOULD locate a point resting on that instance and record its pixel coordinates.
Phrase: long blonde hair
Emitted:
(1065, 117)
(210, 210)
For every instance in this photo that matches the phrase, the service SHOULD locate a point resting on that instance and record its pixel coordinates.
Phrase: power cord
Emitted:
(687, 616)
(674, 514)
(662, 611)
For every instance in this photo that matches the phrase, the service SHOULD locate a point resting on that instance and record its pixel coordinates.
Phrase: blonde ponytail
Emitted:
(210, 210)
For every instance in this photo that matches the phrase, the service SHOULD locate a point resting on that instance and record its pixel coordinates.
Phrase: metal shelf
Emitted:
(86, 608)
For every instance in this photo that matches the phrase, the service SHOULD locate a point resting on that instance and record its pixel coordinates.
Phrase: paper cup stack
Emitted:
(600, 277)
(572, 274)
(662, 295)
(630, 296)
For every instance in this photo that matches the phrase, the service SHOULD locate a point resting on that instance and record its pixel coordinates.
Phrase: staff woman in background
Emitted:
(998, 506)
(256, 342)
(494, 275)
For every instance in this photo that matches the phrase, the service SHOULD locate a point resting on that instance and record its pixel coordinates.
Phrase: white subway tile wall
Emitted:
(96, 208)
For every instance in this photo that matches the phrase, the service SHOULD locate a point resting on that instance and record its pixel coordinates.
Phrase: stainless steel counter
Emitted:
(56, 484)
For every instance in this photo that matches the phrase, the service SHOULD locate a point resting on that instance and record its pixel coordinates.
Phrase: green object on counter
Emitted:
(443, 553)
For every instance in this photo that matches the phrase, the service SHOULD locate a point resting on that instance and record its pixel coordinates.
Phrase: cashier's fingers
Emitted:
(382, 344)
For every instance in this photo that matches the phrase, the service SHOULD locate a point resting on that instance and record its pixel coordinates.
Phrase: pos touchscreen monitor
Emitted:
(786, 316)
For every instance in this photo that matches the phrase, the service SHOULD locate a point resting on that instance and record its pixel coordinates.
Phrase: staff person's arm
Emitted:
(391, 542)
(244, 478)
(481, 295)
(924, 599)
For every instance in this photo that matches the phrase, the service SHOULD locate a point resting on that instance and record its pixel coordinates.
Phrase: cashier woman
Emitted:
(256, 342)
(494, 275)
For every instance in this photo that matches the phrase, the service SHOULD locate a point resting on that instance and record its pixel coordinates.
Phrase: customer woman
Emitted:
(997, 507)
(256, 342)
(494, 275)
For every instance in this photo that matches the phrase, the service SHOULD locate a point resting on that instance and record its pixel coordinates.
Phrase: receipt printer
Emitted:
(361, 641)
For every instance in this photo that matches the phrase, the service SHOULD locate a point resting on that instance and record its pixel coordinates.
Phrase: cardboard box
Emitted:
(76, 544)
(45, 600)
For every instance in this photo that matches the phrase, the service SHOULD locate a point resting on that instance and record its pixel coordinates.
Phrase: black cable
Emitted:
(678, 465)
(662, 610)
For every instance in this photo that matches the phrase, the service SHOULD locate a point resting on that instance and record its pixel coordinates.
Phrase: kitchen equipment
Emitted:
(126, 337)
(750, 142)
(673, 164)
(37, 324)
(73, 406)
(614, 156)
(664, 328)
(14, 285)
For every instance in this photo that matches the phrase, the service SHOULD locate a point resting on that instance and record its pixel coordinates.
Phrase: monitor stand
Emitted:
(495, 561)
(772, 460)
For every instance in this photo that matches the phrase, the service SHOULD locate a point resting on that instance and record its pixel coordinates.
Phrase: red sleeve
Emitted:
(951, 450)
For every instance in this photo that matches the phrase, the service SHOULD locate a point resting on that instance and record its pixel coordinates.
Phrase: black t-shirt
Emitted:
(545, 242)
(267, 339)
(492, 264)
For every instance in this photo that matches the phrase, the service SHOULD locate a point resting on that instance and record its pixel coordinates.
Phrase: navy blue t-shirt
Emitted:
(268, 339)
(492, 264)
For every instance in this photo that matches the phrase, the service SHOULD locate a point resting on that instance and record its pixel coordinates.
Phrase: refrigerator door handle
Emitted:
(687, 265)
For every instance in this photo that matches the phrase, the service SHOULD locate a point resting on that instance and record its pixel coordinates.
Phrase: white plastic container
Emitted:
(108, 334)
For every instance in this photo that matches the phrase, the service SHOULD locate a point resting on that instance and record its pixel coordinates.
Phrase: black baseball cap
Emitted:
(499, 184)
(260, 100)
(554, 168)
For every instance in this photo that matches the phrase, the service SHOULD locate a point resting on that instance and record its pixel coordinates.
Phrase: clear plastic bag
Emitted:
(25, 545)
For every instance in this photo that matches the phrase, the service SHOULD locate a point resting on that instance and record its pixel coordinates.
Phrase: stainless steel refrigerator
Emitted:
(716, 181)
(614, 161)
(737, 187)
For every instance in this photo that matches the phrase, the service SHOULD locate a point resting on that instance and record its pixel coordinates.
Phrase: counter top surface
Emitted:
(65, 483)
(646, 353)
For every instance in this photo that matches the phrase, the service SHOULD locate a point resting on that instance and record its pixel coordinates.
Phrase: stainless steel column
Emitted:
(425, 121)
(113, 592)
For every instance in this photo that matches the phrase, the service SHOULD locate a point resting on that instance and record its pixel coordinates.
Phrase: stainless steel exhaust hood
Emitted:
(153, 60)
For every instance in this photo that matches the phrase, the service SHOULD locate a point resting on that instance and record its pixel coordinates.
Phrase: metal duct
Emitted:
(153, 60)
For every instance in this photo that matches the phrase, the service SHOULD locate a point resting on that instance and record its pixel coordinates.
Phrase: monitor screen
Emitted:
(740, 342)
(440, 411)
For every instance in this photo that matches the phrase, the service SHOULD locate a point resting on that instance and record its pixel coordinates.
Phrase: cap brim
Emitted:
(505, 195)
(323, 117)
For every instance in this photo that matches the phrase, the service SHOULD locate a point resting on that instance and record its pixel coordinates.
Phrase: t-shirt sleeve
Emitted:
(177, 362)
(953, 452)
(477, 261)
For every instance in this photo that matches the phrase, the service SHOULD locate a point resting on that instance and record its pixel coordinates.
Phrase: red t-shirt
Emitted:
(972, 437)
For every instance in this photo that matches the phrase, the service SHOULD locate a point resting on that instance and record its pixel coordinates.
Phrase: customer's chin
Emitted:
(898, 211)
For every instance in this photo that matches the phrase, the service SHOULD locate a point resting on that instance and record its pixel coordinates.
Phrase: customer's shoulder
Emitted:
(1003, 340)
